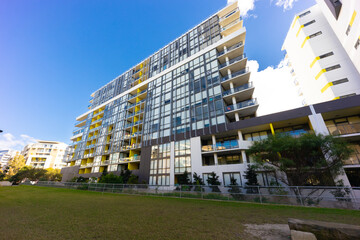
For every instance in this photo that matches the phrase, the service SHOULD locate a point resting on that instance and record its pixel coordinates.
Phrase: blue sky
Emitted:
(54, 54)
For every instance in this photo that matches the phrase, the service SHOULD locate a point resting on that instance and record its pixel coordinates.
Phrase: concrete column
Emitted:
(240, 135)
(233, 99)
(225, 49)
(229, 73)
(227, 60)
(214, 145)
(232, 86)
(237, 118)
(243, 155)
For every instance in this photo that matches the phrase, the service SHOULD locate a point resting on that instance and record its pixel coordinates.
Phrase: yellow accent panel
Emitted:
(313, 63)
(352, 18)
(299, 30)
(326, 87)
(302, 45)
(272, 129)
(320, 73)
(336, 98)
(297, 17)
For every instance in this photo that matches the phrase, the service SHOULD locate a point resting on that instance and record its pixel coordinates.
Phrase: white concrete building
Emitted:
(325, 67)
(45, 154)
(5, 156)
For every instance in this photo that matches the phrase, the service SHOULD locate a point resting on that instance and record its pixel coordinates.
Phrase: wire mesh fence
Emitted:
(331, 197)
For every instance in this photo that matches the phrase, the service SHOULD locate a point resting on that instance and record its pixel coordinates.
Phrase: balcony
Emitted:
(136, 103)
(240, 93)
(129, 159)
(235, 64)
(142, 94)
(226, 145)
(231, 52)
(237, 78)
(229, 17)
(88, 155)
(90, 146)
(244, 108)
(354, 159)
(80, 124)
(231, 27)
(344, 128)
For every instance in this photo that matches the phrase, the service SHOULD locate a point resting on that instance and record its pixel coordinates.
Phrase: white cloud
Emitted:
(245, 7)
(285, 4)
(274, 88)
(9, 141)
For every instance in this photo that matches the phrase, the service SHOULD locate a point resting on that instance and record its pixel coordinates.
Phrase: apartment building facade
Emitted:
(196, 84)
(189, 107)
(323, 51)
(45, 154)
(5, 157)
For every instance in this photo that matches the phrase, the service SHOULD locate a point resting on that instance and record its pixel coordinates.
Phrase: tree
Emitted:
(111, 178)
(198, 182)
(235, 189)
(125, 175)
(15, 164)
(183, 179)
(213, 181)
(251, 176)
(133, 179)
(309, 159)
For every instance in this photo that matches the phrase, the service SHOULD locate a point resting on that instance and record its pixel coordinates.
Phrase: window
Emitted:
(304, 14)
(333, 68)
(230, 159)
(357, 43)
(309, 23)
(326, 55)
(315, 34)
(340, 81)
(160, 165)
(229, 176)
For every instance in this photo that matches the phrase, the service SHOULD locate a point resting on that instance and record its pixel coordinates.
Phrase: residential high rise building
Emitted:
(45, 154)
(146, 119)
(189, 107)
(323, 48)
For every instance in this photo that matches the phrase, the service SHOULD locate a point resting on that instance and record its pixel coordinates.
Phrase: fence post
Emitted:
(202, 194)
(301, 200)
(259, 194)
(180, 191)
(113, 188)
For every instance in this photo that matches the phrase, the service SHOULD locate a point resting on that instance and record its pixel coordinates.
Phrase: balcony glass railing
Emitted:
(235, 74)
(137, 94)
(238, 89)
(78, 132)
(228, 15)
(231, 24)
(354, 159)
(77, 123)
(231, 144)
(237, 59)
(240, 105)
(230, 48)
(344, 128)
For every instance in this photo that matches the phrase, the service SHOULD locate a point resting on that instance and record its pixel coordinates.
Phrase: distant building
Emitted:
(5, 156)
(45, 154)
(323, 46)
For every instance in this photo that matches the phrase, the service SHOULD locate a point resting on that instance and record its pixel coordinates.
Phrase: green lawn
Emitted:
(29, 212)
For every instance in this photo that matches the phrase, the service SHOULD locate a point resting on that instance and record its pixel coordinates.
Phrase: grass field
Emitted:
(29, 212)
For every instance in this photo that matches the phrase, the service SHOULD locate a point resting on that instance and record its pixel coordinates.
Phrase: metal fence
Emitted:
(331, 197)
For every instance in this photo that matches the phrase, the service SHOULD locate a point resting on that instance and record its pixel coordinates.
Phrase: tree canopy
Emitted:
(309, 159)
